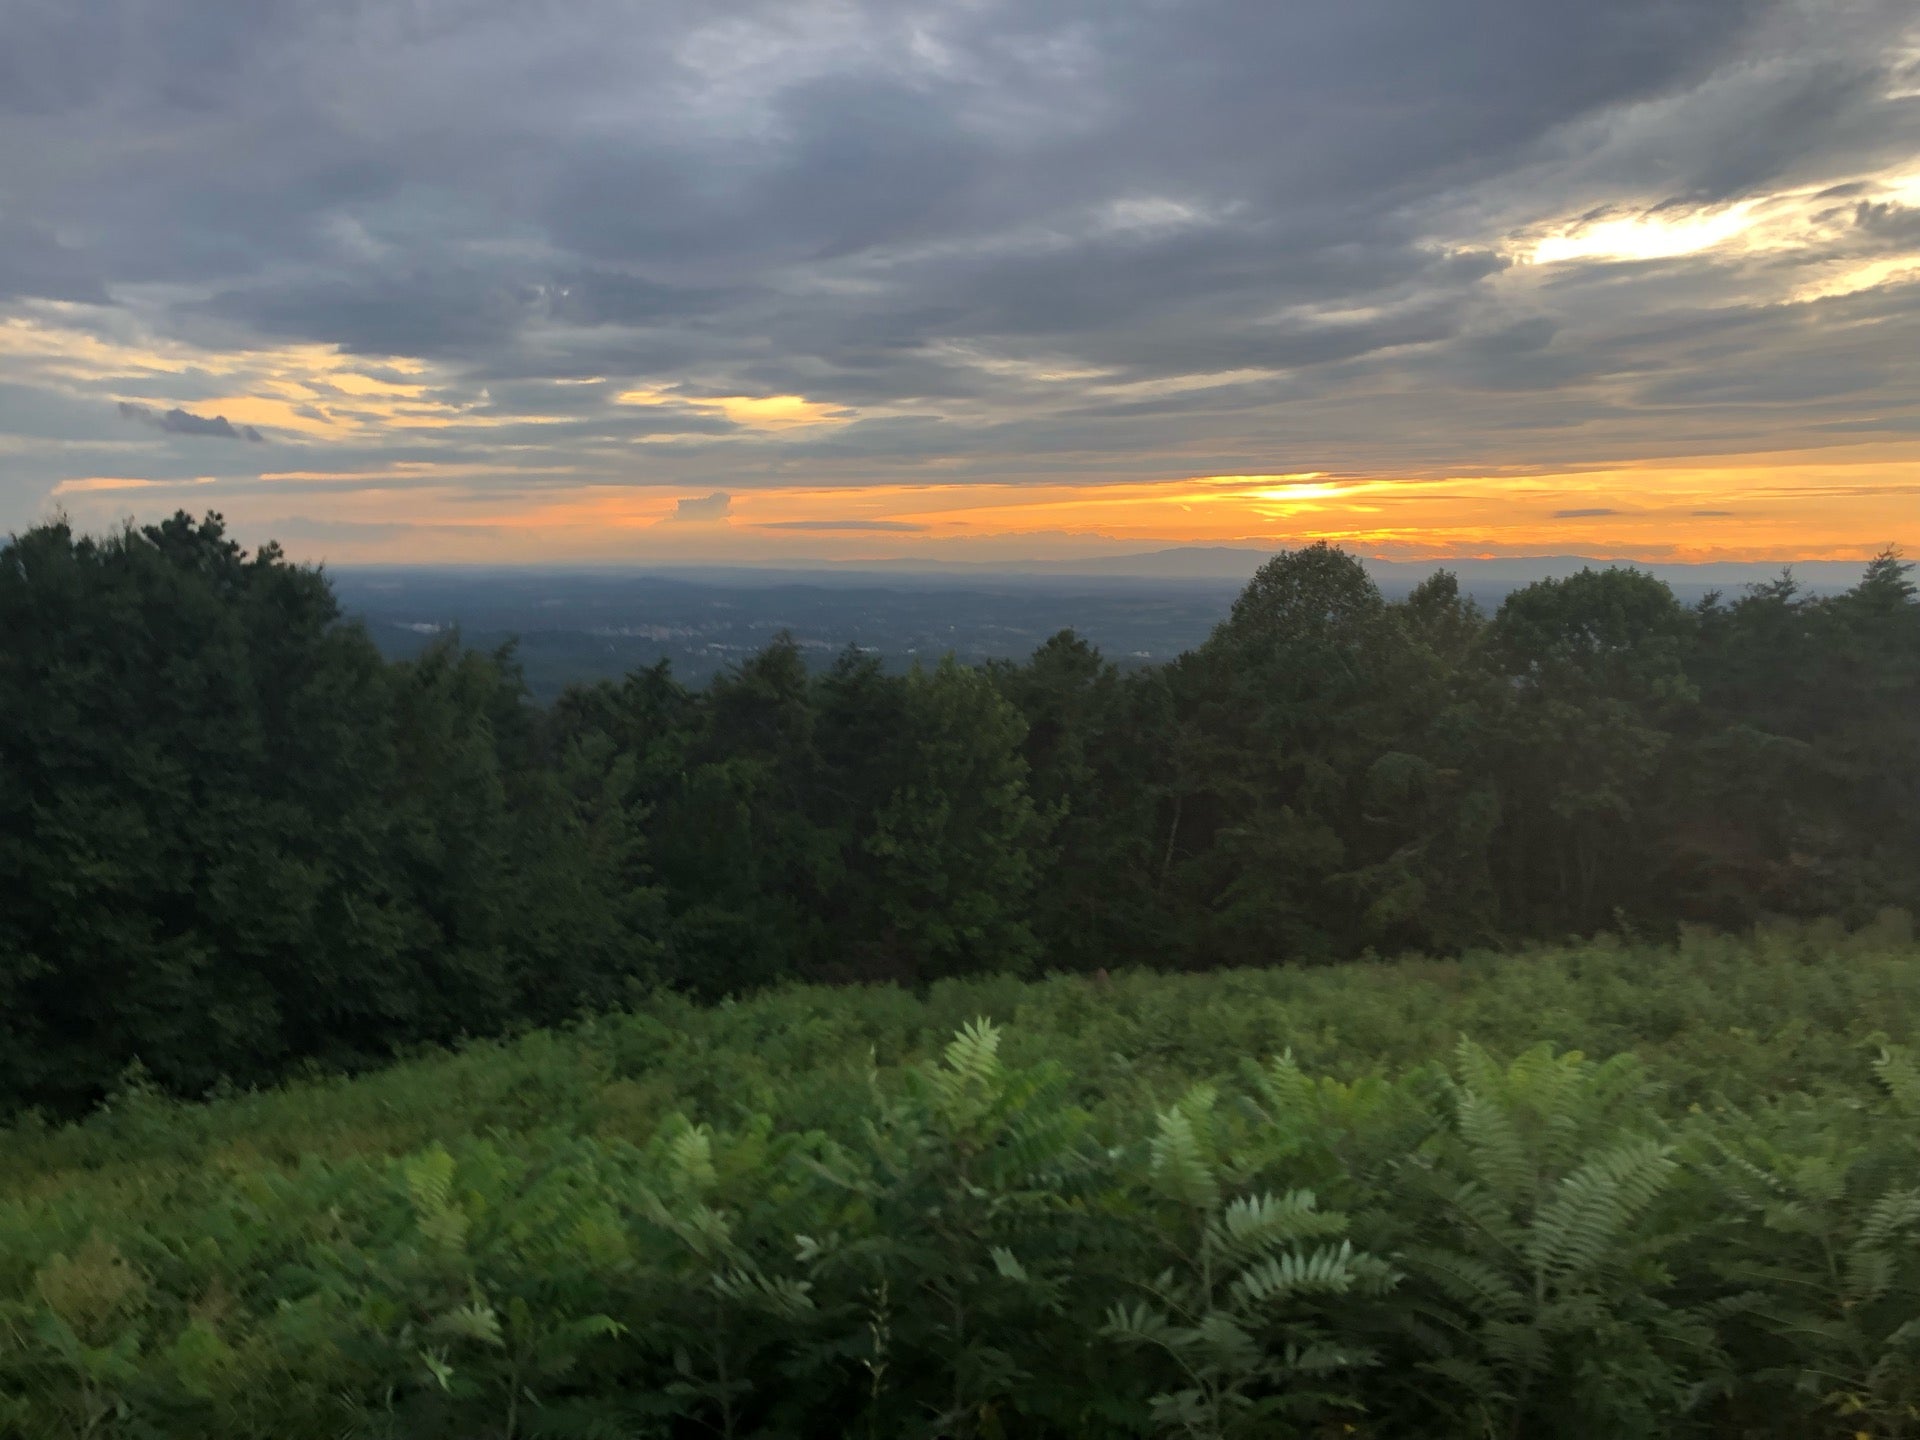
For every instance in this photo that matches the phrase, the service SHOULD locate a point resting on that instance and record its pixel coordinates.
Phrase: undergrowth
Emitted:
(1257, 1203)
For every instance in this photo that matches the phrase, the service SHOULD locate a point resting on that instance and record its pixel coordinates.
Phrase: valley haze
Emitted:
(581, 623)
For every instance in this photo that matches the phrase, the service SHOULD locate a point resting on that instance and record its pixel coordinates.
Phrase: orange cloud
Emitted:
(94, 484)
(752, 412)
(1784, 507)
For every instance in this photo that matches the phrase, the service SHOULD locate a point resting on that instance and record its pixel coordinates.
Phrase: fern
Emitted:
(1827, 1253)
(1181, 1164)
(1549, 1280)
(1899, 1074)
(430, 1184)
(877, 1214)
(1587, 1214)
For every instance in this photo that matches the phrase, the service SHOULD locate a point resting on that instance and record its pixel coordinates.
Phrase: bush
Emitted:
(1061, 1208)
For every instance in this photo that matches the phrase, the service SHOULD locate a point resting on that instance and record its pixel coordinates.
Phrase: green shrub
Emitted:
(1258, 1203)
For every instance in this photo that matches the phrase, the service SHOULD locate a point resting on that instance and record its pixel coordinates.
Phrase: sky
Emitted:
(574, 280)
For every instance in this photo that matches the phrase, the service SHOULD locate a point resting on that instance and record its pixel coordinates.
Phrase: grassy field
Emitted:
(1379, 1199)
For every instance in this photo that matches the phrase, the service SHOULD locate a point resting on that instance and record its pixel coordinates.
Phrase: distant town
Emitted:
(572, 625)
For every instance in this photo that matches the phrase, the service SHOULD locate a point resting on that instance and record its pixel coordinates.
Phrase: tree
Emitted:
(1092, 763)
(1862, 697)
(193, 836)
(1595, 684)
(1315, 815)
(232, 838)
(955, 840)
(744, 864)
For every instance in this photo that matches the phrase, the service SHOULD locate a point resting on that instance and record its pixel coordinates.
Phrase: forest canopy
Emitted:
(235, 840)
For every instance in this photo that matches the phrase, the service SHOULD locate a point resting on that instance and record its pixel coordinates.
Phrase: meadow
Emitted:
(1604, 1189)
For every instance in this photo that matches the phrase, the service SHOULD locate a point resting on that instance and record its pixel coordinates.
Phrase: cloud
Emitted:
(875, 242)
(1582, 514)
(895, 526)
(95, 484)
(34, 263)
(182, 422)
(701, 510)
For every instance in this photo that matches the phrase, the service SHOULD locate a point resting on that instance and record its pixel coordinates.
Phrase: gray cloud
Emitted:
(1020, 241)
(33, 263)
(1582, 514)
(181, 422)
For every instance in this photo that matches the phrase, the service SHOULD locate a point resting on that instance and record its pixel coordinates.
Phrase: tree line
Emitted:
(234, 840)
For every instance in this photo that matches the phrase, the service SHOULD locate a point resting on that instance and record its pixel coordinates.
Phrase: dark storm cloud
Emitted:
(181, 422)
(1179, 235)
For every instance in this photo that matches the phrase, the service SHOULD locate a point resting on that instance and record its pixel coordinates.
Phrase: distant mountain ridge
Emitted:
(1235, 564)
(1206, 566)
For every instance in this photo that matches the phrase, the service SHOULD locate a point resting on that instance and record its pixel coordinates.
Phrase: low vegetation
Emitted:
(252, 875)
(234, 841)
(1607, 1190)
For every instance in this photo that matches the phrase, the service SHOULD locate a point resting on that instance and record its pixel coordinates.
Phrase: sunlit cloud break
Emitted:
(917, 279)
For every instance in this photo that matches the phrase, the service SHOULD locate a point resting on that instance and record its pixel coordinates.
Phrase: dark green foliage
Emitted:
(850, 825)
(197, 822)
(232, 838)
(1124, 1212)
(233, 841)
(1329, 802)
(1595, 686)
(1811, 762)
(953, 842)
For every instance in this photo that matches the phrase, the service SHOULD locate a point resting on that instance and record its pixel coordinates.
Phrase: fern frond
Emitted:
(1326, 1271)
(1284, 1085)
(690, 1152)
(1226, 1343)
(1899, 1073)
(974, 1053)
(476, 1321)
(1494, 1148)
(1139, 1323)
(1590, 1210)
(1892, 1213)
(1467, 1281)
(1870, 1274)
(1259, 1222)
(1180, 1163)
(429, 1179)
(1487, 1215)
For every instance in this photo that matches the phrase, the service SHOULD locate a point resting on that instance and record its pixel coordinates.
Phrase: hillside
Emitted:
(779, 1134)
(1108, 1207)
(237, 840)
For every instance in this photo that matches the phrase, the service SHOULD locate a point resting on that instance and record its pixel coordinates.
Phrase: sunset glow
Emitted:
(1793, 507)
(1645, 237)
(833, 286)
